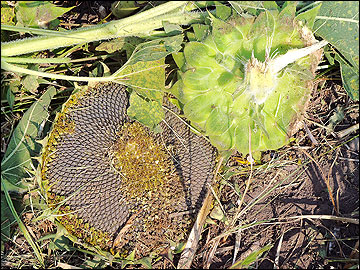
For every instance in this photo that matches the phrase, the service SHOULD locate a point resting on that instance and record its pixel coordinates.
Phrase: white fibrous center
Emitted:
(260, 80)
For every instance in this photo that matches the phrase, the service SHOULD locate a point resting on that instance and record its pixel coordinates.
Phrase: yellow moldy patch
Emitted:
(76, 226)
(62, 126)
(152, 188)
(140, 159)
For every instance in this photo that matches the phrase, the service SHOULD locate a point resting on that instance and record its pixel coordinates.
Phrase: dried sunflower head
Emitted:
(116, 184)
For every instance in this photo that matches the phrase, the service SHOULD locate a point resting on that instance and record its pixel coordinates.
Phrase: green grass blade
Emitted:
(22, 227)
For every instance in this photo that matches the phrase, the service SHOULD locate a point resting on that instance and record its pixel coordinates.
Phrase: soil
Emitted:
(302, 176)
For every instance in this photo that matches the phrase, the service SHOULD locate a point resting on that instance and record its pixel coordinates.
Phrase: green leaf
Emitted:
(22, 146)
(330, 55)
(124, 8)
(144, 72)
(30, 82)
(288, 9)
(336, 118)
(338, 23)
(251, 258)
(96, 263)
(222, 12)
(172, 29)
(155, 49)
(124, 43)
(129, 259)
(349, 76)
(351, 80)
(179, 60)
(146, 78)
(21, 225)
(37, 13)
(251, 7)
(148, 112)
(7, 18)
(201, 31)
(269, 5)
(7, 219)
(308, 17)
(173, 44)
(217, 213)
(111, 46)
(145, 261)
(10, 97)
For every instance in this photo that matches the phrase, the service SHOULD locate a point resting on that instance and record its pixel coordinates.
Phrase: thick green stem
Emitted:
(138, 24)
(36, 60)
(16, 69)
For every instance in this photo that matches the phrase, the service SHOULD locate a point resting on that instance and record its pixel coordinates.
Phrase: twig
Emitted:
(345, 132)
(188, 254)
(328, 178)
(276, 262)
(311, 137)
(237, 245)
(342, 219)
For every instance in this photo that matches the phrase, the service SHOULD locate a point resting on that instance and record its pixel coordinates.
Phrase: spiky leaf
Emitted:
(22, 146)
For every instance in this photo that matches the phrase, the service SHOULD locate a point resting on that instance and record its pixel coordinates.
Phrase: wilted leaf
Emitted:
(7, 14)
(149, 113)
(30, 82)
(37, 13)
(156, 49)
(124, 8)
(22, 145)
(146, 78)
(111, 46)
(338, 23)
(171, 28)
(217, 213)
(6, 220)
